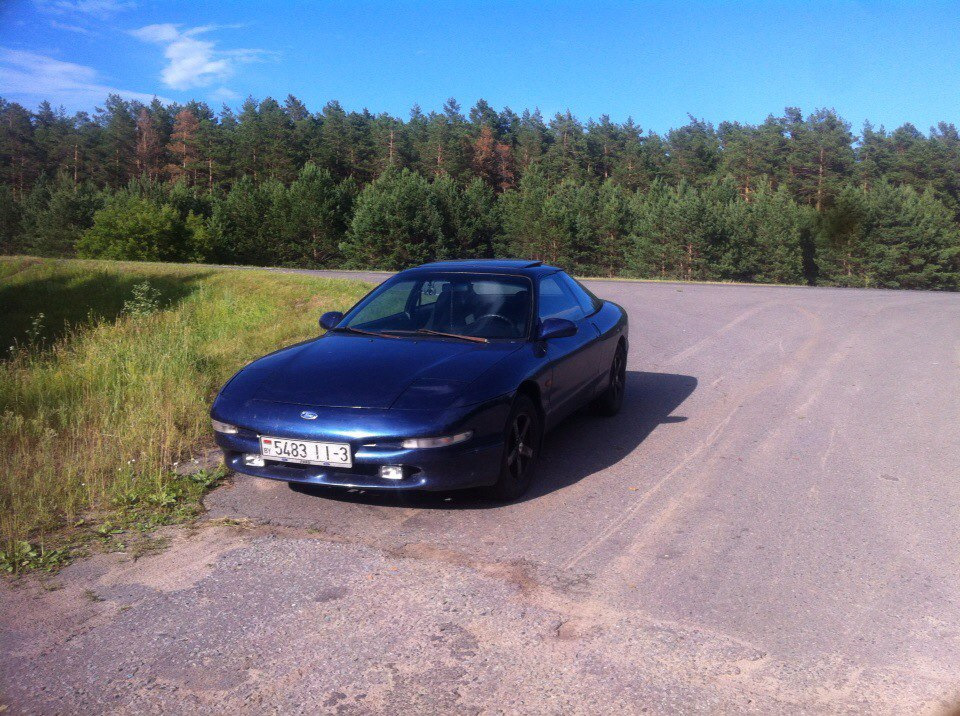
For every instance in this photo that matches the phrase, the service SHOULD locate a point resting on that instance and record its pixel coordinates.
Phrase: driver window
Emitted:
(390, 302)
(429, 291)
(557, 301)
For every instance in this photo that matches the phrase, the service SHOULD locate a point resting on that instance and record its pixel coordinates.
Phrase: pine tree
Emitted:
(20, 164)
(149, 149)
(10, 232)
(52, 132)
(118, 140)
(892, 237)
(183, 148)
(753, 155)
(821, 157)
(567, 153)
(613, 223)
(275, 129)
(694, 152)
(675, 232)
(55, 214)
(605, 146)
(319, 212)
(334, 149)
(765, 237)
(642, 159)
(531, 139)
(492, 160)
(396, 223)
(132, 227)
(525, 228)
(248, 141)
(237, 225)
(874, 156)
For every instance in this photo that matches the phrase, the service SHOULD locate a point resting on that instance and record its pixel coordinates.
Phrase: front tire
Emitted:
(521, 450)
(611, 399)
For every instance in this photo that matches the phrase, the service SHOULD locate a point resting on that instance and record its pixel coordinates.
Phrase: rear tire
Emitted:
(521, 450)
(611, 399)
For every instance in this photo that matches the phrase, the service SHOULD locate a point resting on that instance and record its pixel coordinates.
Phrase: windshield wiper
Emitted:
(351, 329)
(428, 331)
(475, 339)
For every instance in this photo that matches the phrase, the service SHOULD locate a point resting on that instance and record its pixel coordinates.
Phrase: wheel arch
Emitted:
(531, 389)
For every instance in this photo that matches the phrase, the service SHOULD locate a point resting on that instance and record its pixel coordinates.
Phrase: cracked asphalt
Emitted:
(770, 525)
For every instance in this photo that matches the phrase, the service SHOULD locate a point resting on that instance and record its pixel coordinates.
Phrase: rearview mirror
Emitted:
(330, 319)
(556, 328)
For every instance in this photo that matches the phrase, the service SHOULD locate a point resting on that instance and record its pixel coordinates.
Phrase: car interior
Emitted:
(483, 307)
(461, 308)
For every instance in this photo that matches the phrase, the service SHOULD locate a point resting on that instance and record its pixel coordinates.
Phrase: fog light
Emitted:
(224, 427)
(442, 441)
(251, 460)
(391, 472)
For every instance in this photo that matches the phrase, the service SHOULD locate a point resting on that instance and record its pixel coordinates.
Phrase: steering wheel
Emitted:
(496, 317)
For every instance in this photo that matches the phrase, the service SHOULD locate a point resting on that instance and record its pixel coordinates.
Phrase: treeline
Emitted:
(796, 199)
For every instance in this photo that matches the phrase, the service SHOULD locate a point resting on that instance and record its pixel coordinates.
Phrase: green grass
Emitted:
(101, 397)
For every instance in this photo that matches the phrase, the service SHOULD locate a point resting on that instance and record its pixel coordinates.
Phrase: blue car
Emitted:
(445, 376)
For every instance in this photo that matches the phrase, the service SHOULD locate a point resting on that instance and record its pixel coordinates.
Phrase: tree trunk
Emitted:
(820, 181)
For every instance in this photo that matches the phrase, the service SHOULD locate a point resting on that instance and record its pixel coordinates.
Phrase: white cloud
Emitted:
(96, 8)
(70, 28)
(224, 94)
(191, 61)
(157, 33)
(28, 76)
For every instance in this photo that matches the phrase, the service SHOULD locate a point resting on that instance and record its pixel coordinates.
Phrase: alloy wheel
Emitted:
(618, 376)
(521, 452)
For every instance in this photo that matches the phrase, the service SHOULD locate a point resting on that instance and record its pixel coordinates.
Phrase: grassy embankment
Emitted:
(106, 375)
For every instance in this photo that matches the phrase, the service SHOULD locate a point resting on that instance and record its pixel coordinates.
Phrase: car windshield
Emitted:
(486, 306)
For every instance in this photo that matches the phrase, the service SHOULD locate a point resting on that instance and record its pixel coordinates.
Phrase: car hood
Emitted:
(342, 370)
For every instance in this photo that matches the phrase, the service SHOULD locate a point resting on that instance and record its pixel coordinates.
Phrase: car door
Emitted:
(573, 361)
(601, 350)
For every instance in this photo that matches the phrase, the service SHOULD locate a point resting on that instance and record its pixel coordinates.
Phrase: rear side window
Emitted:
(588, 302)
(557, 300)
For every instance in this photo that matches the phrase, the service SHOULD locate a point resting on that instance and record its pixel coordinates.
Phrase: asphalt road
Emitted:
(771, 525)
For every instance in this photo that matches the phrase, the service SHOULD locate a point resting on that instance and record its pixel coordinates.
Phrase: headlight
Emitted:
(224, 427)
(442, 441)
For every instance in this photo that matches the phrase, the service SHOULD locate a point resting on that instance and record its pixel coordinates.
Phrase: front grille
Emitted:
(357, 469)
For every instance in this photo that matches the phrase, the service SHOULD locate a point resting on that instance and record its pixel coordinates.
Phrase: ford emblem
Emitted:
(308, 415)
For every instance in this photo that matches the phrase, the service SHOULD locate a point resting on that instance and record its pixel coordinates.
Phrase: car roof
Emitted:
(520, 267)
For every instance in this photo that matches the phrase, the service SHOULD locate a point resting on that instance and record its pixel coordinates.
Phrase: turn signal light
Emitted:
(439, 441)
(224, 427)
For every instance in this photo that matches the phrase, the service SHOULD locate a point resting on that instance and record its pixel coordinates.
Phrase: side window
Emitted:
(588, 302)
(429, 291)
(557, 300)
(389, 302)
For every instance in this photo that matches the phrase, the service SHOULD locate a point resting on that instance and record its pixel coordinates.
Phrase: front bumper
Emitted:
(374, 437)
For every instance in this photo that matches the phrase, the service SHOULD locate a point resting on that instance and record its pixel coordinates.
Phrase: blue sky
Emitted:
(887, 62)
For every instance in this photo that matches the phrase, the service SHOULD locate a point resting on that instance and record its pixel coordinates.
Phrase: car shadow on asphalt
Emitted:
(577, 448)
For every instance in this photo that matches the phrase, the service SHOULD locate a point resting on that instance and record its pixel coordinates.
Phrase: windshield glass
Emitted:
(479, 305)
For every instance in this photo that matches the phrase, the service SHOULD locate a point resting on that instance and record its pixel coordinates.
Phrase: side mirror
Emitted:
(330, 319)
(556, 328)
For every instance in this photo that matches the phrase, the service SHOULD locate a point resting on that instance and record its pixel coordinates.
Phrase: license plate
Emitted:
(306, 451)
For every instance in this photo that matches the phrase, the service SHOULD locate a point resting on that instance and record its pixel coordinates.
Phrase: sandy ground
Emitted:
(769, 526)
